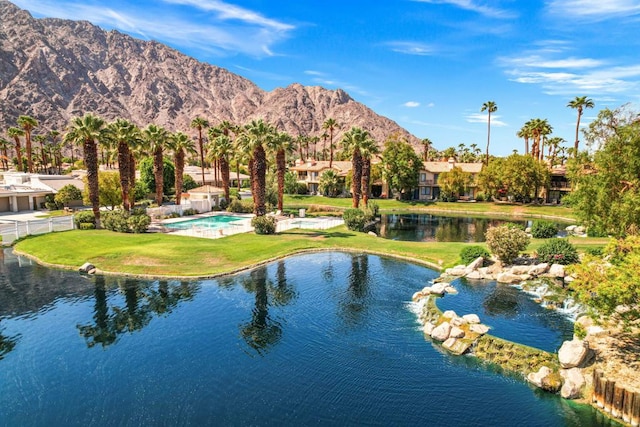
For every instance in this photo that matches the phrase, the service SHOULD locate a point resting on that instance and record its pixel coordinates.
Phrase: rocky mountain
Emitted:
(55, 70)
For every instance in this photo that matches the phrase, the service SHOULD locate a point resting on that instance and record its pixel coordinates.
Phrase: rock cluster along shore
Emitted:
(459, 334)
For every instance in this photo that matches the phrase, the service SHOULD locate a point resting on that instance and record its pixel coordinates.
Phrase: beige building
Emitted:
(21, 191)
(428, 188)
(310, 172)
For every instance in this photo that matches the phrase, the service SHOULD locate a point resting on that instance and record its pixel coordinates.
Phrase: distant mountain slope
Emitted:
(55, 69)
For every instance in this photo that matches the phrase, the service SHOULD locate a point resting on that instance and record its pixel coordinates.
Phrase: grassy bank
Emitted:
(562, 213)
(165, 255)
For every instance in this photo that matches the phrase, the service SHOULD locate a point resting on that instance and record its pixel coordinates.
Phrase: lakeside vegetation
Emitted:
(158, 254)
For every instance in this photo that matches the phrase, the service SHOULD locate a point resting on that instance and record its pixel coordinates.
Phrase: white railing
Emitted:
(200, 206)
(18, 229)
(315, 223)
(216, 232)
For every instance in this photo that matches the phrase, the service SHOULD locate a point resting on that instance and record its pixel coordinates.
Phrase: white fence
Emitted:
(308, 223)
(199, 205)
(18, 229)
(216, 233)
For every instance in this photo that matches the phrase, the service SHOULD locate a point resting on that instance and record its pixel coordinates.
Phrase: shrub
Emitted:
(579, 331)
(598, 252)
(480, 197)
(371, 211)
(468, 254)
(240, 206)
(558, 251)
(189, 212)
(188, 183)
(87, 226)
(116, 221)
(264, 224)
(84, 217)
(543, 229)
(67, 194)
(354, 219)
(224, 203)
(139, 223)
(506, 242)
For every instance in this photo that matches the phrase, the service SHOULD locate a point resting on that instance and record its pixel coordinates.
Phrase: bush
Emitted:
(558, 251)
(598, 252)
(87, 226)
(188, 183)
(371, 211)
(116, 221)
(264, 224)
(354, 219)
(139, 223)
(189, 212)
(84, 217)
(506, 242)
(224, 203)
(470, 253)
(543, 229)
(240, 206)
(480, 197)
(67, 194)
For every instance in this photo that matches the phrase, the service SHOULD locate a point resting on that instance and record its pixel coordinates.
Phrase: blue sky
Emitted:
(427, 64)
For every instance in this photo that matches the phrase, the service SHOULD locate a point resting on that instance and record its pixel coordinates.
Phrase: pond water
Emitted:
(437, 228)
(318, 339)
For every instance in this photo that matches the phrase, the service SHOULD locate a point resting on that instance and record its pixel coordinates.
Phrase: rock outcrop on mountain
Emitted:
(54, 70)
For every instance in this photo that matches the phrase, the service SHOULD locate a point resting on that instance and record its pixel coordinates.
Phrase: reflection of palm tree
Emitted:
(102, 332)
(261, 332)
(7, 344)
(354, 304)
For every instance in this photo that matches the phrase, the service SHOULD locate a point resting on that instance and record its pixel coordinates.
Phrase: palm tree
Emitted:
(258, 135)
(579, 103)
(282, 145)
(180, 144)
(539, 128)
(221, 147)
(324, 137)
(525, 133)
(16, 133)
(4, 146)
(554, 145)
(426, 147)
(28, 123)
(56, 149)
(352, 143)
(156, 138)
(41, 139)
(88, 131)
(329, 183)
(200, 123)
(331, 125)
(489, 107)
(368, 149)
(123, 133)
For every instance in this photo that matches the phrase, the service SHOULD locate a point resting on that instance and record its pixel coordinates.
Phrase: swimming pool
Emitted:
(213, 222)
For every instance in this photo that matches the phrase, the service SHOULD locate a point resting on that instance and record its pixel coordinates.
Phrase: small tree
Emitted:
(558, 251)
(454, 183)
(149, 180)
(330, 184)
(506, 242)
(109, 190)
(67, 194)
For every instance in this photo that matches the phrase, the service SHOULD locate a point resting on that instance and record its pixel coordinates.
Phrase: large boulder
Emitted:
(520, 269)
(536, 378)
(87, 267)
(457, 271)
(439, 288)
(545, 379)
(456, 333)
(573, 383)
(441, 332)
(471, 318)
(479, 329)
(458, 321)
(456, 346)
(573, 353)
(428, 328)
(474, 265)
(556, 270)
(450, 314)
(474, 275)
(538, 269)
(509, 278)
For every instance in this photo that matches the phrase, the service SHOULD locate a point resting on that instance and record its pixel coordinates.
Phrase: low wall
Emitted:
(615, 400)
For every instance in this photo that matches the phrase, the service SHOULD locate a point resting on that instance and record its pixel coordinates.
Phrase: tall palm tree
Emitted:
(88, 131)
(258, 135)
(41, 139)
(544, 132)
(368, 149)
(123, 133)
(200, 123)
(220, 148)
(489, 107)
(539, 128)
(426, 147)
(331, 125)
(554, 145)
(4, 146)
(28, 123)
(352, 143)
(56, 149)
(525, 133)
(282, 145)
(324, 137)
(181, 145)
(156, 137)
(16, 133)
(579, 103)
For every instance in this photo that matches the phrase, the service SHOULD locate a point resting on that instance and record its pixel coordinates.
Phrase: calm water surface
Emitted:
(320, 339)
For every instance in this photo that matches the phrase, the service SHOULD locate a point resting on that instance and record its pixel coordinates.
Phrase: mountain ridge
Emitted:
(54, 69)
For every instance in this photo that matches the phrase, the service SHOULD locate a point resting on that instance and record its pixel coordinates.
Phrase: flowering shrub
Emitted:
(558, 251)
(506, 242)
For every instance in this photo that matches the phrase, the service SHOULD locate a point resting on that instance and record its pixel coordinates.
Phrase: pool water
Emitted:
(210, 222)
(316, 339)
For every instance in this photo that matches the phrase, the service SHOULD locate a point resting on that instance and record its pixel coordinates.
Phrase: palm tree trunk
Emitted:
(224, 175)
(179, 159)
(132, 178)
(91, 159)
(366, 177)
(575, 145)
(356, 181)
(238, 173)
(27, 136)
(260, 170)
(281, 167)
(158, 170)
(18, 153)
(488, 135)
(123, 166)
(330, 147)
(526, 145)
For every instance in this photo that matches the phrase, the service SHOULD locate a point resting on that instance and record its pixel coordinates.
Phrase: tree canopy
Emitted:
(401, 166)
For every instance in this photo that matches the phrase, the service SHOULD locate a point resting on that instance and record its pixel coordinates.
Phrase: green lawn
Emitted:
(460, 208)
(164, 255)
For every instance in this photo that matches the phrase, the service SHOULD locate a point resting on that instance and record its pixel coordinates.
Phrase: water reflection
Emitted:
(263, 331)
(7, 344)
(502, 301)
(352, 306)
(142, 301)
(428, 228)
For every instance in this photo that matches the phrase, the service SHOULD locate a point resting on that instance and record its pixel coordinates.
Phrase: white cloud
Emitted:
(431, 105)
(476, 6)
(228, 30)
(411, 104)
(314, 73)
(596, 10)
(484, 117)
(411, 48)
(541, 62)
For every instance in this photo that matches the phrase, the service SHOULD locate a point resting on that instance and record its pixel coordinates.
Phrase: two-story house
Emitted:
(428, 188)
(310, 172)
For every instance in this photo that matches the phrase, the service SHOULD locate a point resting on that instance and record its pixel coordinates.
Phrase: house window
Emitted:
(435, 178)
(425, 191)
(423, 177)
